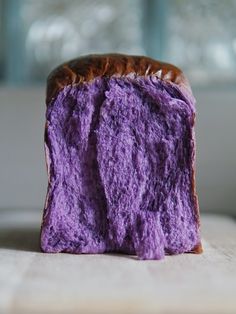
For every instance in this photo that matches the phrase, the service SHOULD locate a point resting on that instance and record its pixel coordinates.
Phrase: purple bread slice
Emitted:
(120, 150)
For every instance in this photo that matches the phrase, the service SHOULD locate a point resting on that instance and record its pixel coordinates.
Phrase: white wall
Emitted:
(216, 150)
(22, 169)
(23, 180)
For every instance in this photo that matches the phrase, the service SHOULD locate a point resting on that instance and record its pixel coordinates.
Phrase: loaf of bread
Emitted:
(120, 152)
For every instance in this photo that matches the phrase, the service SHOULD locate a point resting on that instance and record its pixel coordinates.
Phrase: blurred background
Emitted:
(35, 36)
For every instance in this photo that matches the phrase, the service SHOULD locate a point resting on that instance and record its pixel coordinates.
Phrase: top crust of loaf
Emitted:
(86, 68)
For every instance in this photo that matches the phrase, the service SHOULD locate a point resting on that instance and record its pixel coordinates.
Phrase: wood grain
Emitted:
(33, 282)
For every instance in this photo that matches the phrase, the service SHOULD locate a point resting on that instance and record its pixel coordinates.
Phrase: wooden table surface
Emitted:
(33, 282)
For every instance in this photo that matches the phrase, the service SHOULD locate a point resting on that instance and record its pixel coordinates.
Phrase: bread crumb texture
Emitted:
(120, 153)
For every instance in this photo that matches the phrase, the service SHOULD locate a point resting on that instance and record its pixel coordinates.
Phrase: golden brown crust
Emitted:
(197, 249)
(85, 69)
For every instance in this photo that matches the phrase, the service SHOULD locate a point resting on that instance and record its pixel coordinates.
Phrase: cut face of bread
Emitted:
(120, 153)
